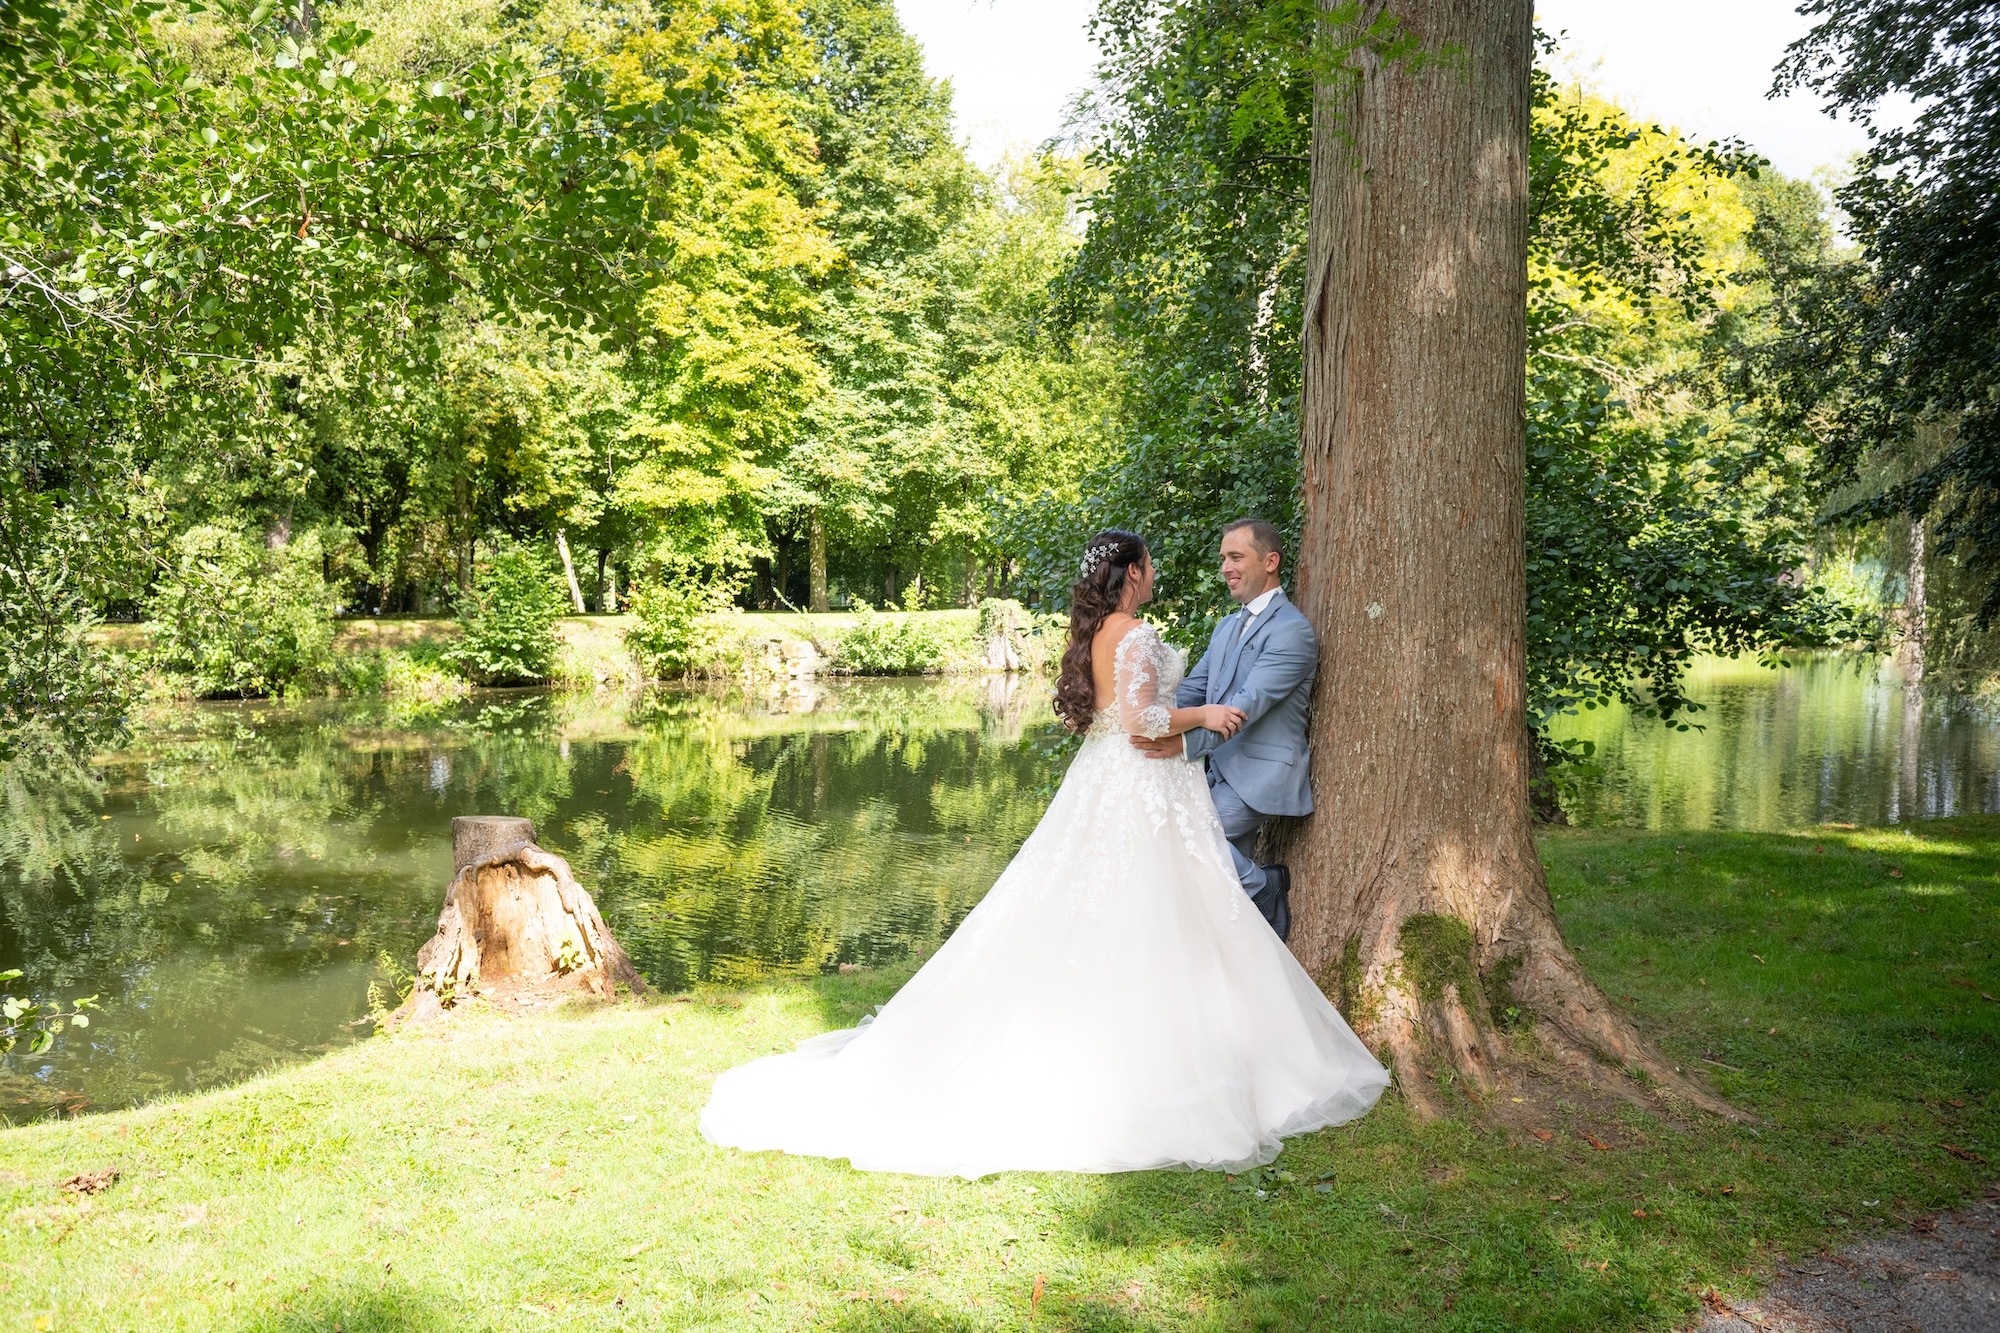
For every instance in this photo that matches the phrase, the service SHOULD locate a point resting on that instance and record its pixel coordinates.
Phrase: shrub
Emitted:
(509, 621)
(880, 645)
(674, 632)
(238, 618)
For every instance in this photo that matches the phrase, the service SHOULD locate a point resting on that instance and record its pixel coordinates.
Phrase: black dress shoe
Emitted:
(1274, 900)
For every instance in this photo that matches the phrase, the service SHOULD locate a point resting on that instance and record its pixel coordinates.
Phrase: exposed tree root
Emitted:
(1452, 1038)
(1554, 989)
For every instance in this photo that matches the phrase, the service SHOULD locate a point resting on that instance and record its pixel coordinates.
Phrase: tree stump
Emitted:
(516, 929)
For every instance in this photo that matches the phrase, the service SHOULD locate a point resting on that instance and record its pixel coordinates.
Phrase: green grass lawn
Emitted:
(527, 1174)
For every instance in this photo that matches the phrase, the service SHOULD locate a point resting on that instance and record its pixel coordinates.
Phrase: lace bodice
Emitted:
(1144, 674)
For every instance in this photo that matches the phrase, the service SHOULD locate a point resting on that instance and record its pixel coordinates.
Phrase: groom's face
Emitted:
(1248, 570)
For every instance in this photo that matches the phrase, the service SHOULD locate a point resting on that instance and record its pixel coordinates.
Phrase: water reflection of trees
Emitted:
(226, 882)
(811, 832)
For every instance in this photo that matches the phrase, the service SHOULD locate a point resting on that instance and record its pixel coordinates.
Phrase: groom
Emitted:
(1260, 660)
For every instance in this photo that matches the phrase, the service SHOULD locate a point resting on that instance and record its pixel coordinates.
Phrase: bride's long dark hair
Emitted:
(1108, 561)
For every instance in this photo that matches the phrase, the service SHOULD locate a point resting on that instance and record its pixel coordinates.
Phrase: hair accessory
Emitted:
(1096, 555)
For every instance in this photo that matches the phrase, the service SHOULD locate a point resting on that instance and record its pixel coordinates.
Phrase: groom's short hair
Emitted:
(1264, 534)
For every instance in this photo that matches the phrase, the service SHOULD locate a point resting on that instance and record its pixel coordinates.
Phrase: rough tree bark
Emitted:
(1422, 905)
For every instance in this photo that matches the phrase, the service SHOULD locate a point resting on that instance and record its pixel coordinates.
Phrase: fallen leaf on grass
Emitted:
(1542, 1134)
(1962, 1154)
(1895, 874)
(1594, 1141)
(1956, 1101)
(1758, 956)
(1638, 1212)
(90, 1182)
(1035, 1296)
(1965, 983)
(640, 1248)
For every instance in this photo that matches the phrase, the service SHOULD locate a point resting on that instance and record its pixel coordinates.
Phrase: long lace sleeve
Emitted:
(1136, 674)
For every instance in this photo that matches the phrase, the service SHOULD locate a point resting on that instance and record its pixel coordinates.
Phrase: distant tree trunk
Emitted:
(1422, 903)
(569, 570)
(816, 567)
(1914, 616)
(603, 603)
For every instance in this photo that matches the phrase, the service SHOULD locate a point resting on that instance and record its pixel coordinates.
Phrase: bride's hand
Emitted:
(1221, 719)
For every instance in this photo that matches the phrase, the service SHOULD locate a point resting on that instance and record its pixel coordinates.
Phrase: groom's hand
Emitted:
(1164, 747)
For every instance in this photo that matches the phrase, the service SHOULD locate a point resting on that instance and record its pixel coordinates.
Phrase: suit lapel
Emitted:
(1239, 641)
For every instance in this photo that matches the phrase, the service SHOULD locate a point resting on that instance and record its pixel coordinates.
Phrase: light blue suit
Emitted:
(1262, 770)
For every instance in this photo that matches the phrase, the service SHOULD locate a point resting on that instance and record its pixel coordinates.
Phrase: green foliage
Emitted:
(509, 618)
(1659, 524)
(57, 691)
(37, 1024)
(238, 618)
(675, 630)
(891, 645)
(1894, 363)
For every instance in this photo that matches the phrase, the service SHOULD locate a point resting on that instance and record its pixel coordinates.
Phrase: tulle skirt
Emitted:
(1115, 1003)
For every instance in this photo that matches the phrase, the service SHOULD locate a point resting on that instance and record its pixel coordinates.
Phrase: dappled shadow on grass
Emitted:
(389, 1307)
(1829, 980)
(1818, 979)
(890, 1317)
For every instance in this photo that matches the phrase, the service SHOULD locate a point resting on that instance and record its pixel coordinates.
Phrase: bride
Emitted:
(1114, 1004)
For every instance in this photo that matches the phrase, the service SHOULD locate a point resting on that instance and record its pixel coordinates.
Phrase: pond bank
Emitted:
(401, 655)
(505, 1173)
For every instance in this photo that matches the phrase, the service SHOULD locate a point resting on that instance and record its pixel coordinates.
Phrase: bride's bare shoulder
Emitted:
(1117, 628)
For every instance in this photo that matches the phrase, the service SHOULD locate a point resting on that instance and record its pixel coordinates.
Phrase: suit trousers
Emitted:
(1240, 825)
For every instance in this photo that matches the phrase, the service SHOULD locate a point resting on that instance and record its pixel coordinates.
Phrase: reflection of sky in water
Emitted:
(1833, 739)
(230, 888)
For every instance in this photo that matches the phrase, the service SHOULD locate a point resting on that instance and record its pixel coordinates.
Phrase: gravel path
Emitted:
(1940, 1276)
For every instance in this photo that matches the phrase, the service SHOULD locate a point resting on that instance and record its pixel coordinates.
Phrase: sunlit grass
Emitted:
(522, 1174)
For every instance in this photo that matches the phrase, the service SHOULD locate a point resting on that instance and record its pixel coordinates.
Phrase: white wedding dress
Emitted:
(1115, 1003)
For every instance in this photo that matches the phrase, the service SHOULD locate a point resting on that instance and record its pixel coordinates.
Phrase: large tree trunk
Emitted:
(816, 566)
(1422, 905)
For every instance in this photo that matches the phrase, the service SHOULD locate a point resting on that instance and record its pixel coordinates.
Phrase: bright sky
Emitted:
(1700, 65)
(1703, 67)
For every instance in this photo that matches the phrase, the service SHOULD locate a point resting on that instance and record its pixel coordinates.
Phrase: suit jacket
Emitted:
(1269, 676)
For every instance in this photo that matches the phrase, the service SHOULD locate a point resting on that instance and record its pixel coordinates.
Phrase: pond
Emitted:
(1832, 738)
(231, 887)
